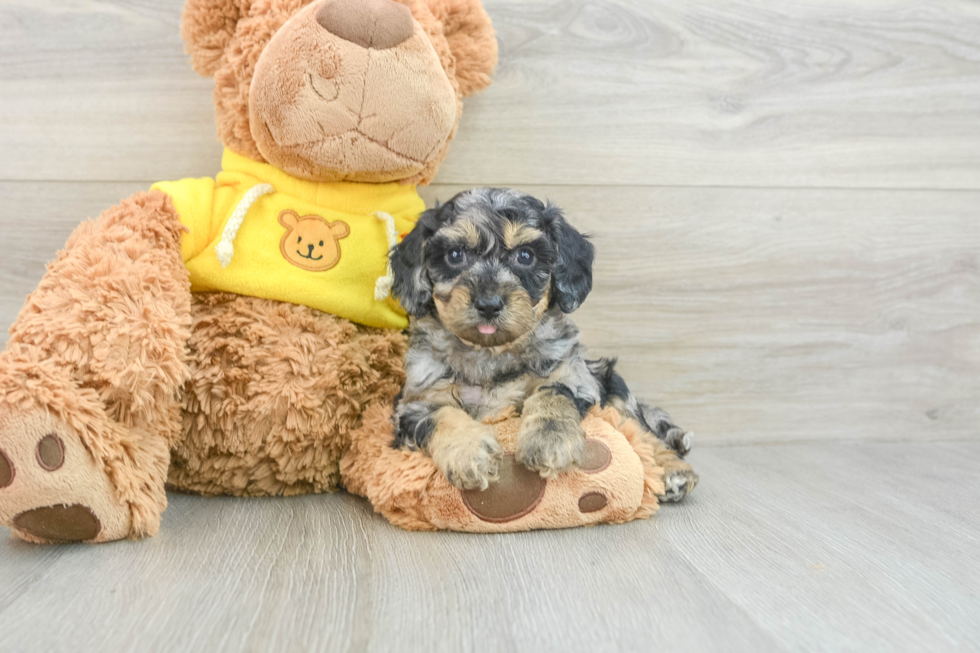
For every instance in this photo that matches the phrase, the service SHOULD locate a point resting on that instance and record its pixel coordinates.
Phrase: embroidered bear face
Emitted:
(310, 242)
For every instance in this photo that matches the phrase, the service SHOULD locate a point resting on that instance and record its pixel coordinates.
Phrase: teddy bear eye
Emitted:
(299, 240)
(321, 243)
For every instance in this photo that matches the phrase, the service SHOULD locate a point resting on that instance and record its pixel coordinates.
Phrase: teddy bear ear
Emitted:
(469, 31)
(206, 27)
(289, 218)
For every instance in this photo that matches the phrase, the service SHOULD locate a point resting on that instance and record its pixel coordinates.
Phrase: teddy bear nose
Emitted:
(378, 24)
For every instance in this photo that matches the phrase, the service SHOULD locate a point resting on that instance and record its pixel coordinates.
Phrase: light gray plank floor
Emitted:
(857, 546)
(784, 197)
(869, 93)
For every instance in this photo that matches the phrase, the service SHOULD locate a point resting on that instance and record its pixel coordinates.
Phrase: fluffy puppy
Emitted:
(488, 280)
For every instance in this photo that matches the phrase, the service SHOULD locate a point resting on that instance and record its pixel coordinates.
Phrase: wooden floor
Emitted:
(786, 203)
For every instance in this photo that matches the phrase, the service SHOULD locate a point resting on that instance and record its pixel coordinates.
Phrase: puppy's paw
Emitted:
(550, 447)
(469, 457)
(679, 483)
(679, 440)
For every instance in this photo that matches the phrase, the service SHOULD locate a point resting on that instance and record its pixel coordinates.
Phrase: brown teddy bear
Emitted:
(331, 112)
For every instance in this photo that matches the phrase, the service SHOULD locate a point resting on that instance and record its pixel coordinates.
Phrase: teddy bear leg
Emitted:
(274, 393)
(90, 379)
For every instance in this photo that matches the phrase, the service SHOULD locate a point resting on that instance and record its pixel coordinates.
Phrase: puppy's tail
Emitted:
(614, 392)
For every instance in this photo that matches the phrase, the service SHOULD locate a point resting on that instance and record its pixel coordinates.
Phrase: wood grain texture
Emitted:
(782, 548)
(815, 93)
(764, 314)
(821, 336)
(751, 315)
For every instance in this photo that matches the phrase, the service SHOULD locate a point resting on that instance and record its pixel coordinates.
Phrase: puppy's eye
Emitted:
(524, 257)
(456, 257)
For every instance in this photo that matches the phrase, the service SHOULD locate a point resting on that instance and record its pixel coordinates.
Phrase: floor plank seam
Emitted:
(474, 184)
(815, 441)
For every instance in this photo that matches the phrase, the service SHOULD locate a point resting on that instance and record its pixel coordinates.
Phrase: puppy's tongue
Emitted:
(487, 329)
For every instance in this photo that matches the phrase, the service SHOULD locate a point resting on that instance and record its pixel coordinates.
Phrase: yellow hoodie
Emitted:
(254, 230)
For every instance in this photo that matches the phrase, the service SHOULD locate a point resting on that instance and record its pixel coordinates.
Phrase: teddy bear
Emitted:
(227, 335)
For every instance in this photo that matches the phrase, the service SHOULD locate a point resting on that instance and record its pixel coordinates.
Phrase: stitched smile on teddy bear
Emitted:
(311, 242)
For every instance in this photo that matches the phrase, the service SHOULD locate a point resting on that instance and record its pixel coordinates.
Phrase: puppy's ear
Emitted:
(572, 279)
(412, 286)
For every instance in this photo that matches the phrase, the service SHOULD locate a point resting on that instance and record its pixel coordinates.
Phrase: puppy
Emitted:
(488, 280)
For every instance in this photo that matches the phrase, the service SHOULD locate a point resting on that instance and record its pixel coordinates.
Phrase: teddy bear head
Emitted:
(341, 90)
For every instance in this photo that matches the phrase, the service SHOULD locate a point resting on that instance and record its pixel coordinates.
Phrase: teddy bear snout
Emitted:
(378, 24)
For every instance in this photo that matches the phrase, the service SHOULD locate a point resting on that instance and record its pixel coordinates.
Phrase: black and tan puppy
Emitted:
(488, 279)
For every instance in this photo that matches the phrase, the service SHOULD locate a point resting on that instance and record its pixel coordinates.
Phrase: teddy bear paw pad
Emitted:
(52, 490)
(74, 523)
(516, 493)
(6, 471)
(592, 502)
(596, 457)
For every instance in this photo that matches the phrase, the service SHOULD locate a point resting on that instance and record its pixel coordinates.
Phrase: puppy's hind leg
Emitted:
(670, 442)
(656, 421)
(680, 479)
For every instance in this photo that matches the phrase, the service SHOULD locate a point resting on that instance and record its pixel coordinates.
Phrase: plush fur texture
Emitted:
(320, 106)
(227, 40)
(275, 390)
(97, 356)
(112, 356)
(408, 488)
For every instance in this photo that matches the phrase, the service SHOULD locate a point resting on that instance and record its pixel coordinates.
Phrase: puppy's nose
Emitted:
(489, 307)
(378, 24)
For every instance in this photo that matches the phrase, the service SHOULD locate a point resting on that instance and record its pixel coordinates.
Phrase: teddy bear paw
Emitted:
(51, 488)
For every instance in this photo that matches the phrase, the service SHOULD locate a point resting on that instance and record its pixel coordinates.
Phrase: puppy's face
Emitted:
(489, 263)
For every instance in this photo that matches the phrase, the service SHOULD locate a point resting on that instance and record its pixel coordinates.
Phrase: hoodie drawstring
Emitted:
(226, 249)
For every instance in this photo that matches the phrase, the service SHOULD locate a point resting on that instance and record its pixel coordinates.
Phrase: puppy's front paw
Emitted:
(469, 458)
(549, 446)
